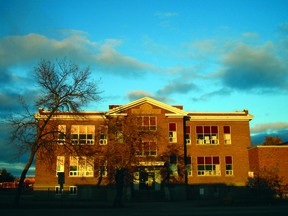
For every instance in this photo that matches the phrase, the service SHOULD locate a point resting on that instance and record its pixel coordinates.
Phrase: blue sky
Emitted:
(208, 55)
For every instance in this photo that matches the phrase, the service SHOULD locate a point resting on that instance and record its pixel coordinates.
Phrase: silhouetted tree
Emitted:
(271, 140)
(63, 86)
(5, 176)
(267, 184)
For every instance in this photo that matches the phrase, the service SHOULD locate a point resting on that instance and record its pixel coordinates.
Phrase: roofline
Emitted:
(149, 100)
(269, 146)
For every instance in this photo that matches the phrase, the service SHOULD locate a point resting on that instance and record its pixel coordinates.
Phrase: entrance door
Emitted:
(147, 181)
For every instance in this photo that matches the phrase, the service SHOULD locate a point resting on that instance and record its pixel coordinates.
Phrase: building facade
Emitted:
(160, 144)
(271, 157)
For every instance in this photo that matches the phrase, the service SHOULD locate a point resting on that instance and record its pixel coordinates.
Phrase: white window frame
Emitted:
(73, 190)
(172, 134)
(61, 134)
(60, 164)
(84, 166)
(229, 172)
(215, 171)
(58, 190)
(207, 138)
(103, 139)
(141, 120)
(75, 131)
(227, 136)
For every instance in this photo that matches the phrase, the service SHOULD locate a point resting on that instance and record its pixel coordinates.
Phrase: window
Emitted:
(61, 134)
(229, 165)
(102, 164)
(119, 137)
(148, 149)
(60, 164)
(189, 166)
(208, 166)
(103, 139)
(187, 135)
(227, 135)
(58, 190)
(81, 166)
(73, 190)
(82, 134)
(172, 133)
(147, 122)
(207, 135)
(173, 165)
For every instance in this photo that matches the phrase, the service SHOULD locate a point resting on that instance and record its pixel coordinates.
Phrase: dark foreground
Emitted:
(146, 208)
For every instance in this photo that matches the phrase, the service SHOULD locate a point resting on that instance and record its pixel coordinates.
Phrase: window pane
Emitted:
(200, 160)
(226, 129)
(62, 128)
(153, 120)
(207, 129)
(172, 126)
(208, 160)
(216, 160)
(74, 129)
(228, 160)
(82, 136)
(90, 129)
(146, 121)
(199, 129)
(188, 160)
(75, 136)
(214, 129)
(187, 129)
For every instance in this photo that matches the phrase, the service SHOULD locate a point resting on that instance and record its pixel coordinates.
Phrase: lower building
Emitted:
(271, 158)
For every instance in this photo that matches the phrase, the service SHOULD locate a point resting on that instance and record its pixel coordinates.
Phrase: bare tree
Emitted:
(63, 87)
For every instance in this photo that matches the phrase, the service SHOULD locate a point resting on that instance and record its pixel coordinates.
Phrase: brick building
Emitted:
(271, 157)
(167, 145)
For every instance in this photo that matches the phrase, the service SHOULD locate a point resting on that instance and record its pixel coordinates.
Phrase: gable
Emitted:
(146, 105)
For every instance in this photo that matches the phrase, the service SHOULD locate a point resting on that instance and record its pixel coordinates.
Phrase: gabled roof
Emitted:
(171, 109)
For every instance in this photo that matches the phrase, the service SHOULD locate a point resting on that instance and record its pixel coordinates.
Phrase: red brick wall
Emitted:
(270, 157)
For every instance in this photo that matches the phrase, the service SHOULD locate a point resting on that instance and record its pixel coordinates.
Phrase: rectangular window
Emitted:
(227, 135)
(173, 166)
(187, 135)
(103, 139)
(172, 133)
(207, 135)
(81, 166)
(148, 149)
(60, 164)
(73, 190)
(58, 190)
(189, 166)
(61, 134)
(147, 122)
(82, 134)
(229, 165)
(208, 166)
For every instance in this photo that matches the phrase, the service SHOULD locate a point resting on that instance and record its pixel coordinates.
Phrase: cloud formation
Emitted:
(269, 127)
(19, 50)
(248, 68)
(176, 87)
(137, 94)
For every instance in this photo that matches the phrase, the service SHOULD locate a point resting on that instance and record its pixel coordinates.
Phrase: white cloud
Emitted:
(24, 50)
(269, 127)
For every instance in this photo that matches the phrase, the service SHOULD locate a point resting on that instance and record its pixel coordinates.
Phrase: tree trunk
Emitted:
(23, 176)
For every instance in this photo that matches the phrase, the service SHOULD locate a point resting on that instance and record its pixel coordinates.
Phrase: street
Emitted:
(151, 209)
